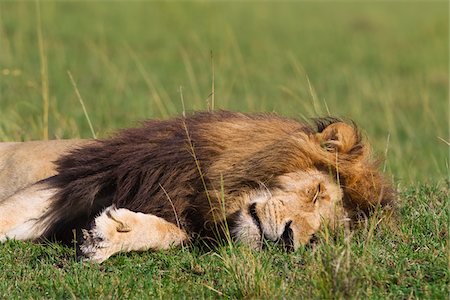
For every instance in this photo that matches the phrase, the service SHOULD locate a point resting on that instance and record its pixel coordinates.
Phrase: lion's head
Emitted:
(321, 178)
(291, 213)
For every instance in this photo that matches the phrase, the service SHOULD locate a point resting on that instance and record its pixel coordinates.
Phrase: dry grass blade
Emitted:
(386, 150)
(202, 177)
(211, 105)
(182, 102)
(44, 72)
(213, 289)
(82, 104)
(444, 141)
(173, 207)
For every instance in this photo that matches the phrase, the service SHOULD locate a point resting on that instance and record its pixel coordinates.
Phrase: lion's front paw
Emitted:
(105, 238)
(94, 246)
(121, 230)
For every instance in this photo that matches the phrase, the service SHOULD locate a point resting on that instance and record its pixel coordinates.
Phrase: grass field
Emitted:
(382, 64)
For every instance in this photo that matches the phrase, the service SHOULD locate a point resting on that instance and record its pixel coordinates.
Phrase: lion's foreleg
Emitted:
(121, 230)
(20, 213)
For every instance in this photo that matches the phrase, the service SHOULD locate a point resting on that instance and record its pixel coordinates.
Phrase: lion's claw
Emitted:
(93, 243)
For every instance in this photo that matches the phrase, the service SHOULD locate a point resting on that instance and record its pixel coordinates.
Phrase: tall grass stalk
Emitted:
(173, 207)
(44, 72)
(386, 150)
(211, 105)
(74, 84)
(182, 102)
(220, 197)
(202, 177)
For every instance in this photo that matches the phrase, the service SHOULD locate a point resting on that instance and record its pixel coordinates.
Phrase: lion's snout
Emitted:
(287, 239)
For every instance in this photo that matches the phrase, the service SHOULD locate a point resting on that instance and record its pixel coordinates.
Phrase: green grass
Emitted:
(400, 257)
(382, 64)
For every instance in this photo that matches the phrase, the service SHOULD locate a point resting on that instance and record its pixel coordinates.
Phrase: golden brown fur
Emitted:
(264, 175)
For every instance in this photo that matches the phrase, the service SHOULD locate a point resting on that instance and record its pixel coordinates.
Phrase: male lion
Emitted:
(261, 176)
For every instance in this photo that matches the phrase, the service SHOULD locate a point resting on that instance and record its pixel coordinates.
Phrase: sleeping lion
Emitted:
(254, 177)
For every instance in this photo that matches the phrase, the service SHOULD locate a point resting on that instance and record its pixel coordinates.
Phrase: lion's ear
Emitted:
(340, 137)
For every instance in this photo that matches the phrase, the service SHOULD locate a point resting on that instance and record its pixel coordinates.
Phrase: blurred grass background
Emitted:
(382, 64)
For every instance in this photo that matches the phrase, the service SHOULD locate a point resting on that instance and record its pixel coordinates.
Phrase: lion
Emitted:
(254, 177)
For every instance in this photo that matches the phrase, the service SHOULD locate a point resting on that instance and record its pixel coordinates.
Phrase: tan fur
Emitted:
(19, 213)
(121, 230)
(22, 164)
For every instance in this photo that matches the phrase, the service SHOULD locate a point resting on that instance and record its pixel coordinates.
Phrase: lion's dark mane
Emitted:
(153, 169)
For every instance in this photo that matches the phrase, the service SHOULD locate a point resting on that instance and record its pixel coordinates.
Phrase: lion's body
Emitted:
(22, 164)
(262, 175)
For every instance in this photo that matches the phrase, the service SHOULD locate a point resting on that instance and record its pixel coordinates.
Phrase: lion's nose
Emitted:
(287, 238)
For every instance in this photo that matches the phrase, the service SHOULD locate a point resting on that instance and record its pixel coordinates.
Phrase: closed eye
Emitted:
(316, 196)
